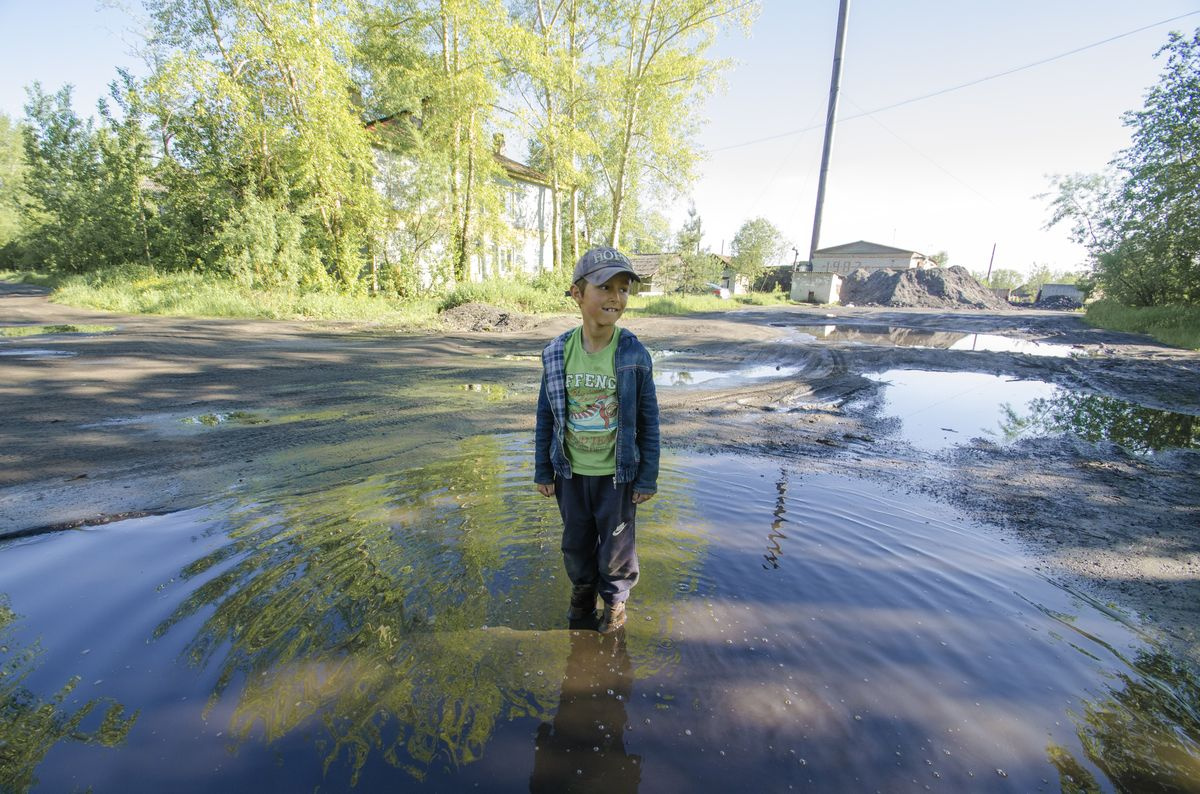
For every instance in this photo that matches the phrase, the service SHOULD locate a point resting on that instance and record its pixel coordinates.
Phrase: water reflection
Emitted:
(405, 631)
(892, 336)
(583, 748)
(403, 616)
(1095, 417)
(1144, 731)
(31, 726)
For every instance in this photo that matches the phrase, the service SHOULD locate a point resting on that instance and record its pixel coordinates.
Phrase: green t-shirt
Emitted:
(591, 406)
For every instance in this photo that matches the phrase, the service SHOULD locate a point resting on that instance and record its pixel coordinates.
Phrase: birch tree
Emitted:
(437, 61)
(650, 85)
(255, 95)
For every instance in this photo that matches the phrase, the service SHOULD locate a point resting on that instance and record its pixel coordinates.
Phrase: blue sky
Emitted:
(957, 172)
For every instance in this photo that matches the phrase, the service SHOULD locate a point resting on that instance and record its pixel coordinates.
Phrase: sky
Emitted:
(959, 172)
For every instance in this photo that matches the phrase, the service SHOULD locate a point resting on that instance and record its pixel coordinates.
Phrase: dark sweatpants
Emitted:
(598, 534)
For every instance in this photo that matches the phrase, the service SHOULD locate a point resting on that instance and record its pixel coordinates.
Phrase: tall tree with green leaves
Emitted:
(437, 61)
(12, 169)
(555, 38)
(256, 95)
(757, 244)
(650, 82)
(1141, 222)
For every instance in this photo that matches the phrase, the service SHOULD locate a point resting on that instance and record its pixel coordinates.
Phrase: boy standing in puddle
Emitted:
(596, 444)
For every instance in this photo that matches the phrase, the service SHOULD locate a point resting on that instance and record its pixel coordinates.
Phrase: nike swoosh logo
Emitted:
(620, 528)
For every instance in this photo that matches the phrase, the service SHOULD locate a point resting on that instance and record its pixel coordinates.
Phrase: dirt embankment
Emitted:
(931, 288)
(167, 413)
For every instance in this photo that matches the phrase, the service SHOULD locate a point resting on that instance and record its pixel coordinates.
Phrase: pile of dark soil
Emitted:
(932, 288)
(1060, 302)
(484, 317)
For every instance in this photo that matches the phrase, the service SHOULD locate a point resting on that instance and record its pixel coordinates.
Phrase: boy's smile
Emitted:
(601, 305)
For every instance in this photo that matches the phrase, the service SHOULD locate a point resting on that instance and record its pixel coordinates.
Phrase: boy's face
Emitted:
(603, 304)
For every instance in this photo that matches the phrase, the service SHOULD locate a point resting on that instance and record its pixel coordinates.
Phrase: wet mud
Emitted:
(320, 506)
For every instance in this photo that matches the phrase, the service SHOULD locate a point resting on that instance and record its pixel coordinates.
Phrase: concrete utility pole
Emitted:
(834, 85)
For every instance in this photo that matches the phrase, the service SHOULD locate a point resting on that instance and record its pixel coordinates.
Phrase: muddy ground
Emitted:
(162, 414)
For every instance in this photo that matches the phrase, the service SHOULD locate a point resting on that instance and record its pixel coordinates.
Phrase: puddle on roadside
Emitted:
(232, 417)
(18, 331)
(33, 353)
(174, 423)
(405, 631)
(940, 409)
(891, 336)
(492, 392)
(680, 376)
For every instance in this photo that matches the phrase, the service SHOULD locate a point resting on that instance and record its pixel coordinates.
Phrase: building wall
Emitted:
(524, 246)
(1067, 290)
(816, 287)
(848, 263)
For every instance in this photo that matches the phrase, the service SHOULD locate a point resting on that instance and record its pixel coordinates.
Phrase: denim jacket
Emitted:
(637, 418)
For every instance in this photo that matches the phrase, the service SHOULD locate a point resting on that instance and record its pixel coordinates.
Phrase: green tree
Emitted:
(696, 266)
(941, 259)
(757, 244)
(437, 63)
(62, 182)
(652, 78)
(1141, 222)
(1004, 278)
(555, 37)
(12, 169)
(254, 97)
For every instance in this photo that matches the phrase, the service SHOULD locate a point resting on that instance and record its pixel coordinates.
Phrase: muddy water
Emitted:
(405, 631)
(946, 340)
(936, 410)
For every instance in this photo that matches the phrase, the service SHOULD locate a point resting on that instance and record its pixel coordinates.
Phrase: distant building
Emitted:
(522, 245)
(1003, 293)
(1060, 290)
(652, 270)
(868, 256)
(809, 287)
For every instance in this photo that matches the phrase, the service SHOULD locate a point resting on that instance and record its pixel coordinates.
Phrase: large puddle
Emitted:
(405, 631)
(891, 336)
(939, 409)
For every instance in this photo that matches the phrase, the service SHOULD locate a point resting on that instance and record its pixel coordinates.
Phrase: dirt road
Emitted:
(154, 414)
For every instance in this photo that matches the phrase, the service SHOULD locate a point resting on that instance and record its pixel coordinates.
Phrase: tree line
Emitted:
(1140, 219)
(252, 148)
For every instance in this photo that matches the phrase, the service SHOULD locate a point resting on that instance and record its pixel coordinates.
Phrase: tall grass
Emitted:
(1178, 326)
(140, 290)
(677, 305)
(143, 290)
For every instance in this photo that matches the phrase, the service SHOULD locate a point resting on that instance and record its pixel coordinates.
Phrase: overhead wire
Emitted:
(961, 86)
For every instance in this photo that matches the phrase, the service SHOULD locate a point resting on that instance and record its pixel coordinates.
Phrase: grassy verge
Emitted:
(1178, 326)
(144, 291)
(675, 305)
(141, 290)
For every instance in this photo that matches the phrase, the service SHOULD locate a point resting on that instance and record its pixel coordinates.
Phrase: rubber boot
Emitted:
(583, 603)
(614, 618)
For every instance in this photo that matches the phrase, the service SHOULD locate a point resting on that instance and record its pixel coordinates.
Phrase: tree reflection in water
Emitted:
(583, 749)
(1095, 417)
(30, 726)
(1143, 734)
(404, 616)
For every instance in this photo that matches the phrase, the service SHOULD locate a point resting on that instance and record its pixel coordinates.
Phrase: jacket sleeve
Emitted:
(543, 437)
(647, 432)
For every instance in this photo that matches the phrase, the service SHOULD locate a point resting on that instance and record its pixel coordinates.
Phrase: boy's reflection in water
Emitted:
(584, 750)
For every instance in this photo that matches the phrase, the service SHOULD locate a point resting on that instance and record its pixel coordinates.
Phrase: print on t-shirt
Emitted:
(591, 411)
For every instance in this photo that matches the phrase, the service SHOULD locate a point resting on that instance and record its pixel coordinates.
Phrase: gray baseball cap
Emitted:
(602, 263)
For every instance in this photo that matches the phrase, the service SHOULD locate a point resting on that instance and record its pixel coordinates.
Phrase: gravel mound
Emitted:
(1060, 302)
(484, 317)
(932, 288)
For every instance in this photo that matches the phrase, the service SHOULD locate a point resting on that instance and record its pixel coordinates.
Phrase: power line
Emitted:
(960, 86)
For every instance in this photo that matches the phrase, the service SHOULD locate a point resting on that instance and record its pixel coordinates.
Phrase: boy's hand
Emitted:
(638, 498)
(546, 489)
